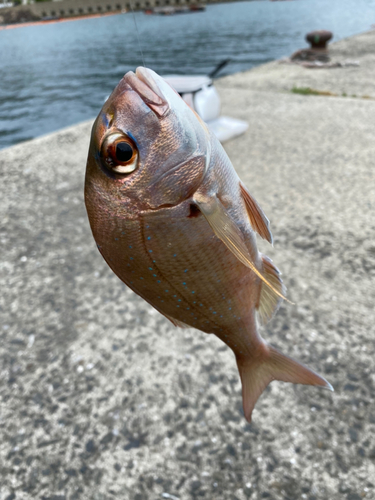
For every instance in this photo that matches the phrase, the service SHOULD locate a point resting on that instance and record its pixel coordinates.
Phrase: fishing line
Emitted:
(136, 29)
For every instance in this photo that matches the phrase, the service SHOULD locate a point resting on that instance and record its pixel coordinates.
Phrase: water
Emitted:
(56, 75)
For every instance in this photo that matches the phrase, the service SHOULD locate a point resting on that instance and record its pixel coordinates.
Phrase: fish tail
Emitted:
(269, 364)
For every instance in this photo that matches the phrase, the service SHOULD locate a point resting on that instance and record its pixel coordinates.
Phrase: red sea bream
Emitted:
(173, 220)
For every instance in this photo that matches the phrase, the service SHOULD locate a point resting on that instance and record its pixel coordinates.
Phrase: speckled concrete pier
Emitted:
(101, 397)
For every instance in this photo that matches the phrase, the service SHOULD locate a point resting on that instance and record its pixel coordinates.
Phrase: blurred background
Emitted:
(59, 74)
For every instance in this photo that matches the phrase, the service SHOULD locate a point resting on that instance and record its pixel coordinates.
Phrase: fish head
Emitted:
(148, 148)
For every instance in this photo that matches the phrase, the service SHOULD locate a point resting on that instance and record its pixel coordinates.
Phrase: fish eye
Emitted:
(124, 151)
(119, 153)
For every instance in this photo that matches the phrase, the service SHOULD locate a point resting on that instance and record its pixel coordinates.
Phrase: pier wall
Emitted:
(68, 8)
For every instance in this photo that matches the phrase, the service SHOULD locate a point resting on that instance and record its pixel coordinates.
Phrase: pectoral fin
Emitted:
(229, 233)
(258, 219)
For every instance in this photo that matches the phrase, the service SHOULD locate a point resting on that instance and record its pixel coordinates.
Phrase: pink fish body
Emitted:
(172, 219)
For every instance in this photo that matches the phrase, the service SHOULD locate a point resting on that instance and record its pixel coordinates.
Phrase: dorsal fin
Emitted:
(258, 220)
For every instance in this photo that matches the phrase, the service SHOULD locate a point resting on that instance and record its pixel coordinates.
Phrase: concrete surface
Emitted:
(101, 397)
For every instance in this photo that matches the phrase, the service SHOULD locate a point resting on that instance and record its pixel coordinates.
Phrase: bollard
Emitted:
(317, 54)
(318, 39)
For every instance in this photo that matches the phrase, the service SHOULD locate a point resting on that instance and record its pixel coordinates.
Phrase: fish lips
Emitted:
(143, 83)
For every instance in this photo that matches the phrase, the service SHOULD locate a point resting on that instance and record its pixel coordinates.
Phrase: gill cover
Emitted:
(182, 173)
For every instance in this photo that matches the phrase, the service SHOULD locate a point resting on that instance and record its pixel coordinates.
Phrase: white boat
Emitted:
(199, 92)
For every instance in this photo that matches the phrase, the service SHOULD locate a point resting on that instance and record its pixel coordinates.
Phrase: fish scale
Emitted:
(175, 223)
(182, 258)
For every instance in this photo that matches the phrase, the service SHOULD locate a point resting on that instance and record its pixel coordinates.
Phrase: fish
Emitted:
(175, 223)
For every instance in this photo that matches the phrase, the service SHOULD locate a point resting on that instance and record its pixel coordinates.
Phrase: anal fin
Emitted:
(258, 219)
(269, 364)
(269, 301)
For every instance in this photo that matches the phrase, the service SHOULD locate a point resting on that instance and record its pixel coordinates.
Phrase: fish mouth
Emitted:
(145, 85)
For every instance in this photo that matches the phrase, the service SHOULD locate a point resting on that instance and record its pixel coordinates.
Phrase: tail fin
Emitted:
(269, 364)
